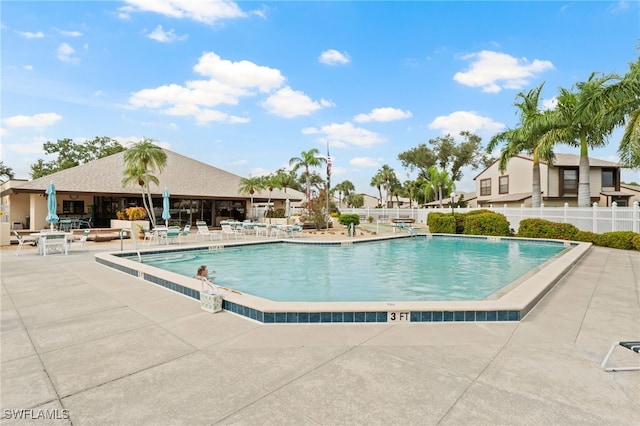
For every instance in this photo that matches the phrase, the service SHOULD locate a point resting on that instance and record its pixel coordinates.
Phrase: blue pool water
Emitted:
(408, 269)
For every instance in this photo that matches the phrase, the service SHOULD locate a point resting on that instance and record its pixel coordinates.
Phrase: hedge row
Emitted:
(541, 228)
(475, 222)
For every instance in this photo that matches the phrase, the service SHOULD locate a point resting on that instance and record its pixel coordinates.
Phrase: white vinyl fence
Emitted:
(595, 219)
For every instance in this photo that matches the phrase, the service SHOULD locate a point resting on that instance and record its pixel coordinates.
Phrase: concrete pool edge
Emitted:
(512, 306)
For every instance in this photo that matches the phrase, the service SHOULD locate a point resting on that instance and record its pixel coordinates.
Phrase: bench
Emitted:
(54, 241)
(405, 219)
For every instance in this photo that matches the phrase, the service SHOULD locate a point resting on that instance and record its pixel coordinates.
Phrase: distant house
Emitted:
(559, 182)
(469, 198)
(94, 191)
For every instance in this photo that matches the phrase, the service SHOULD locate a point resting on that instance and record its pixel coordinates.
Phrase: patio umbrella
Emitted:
(287, 208)
(166, 215)
(52, 205)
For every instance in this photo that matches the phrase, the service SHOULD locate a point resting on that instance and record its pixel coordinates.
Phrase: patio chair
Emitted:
(172, 234)
(228, 230)
(632, 346)
(21, 242)
(185, 231)
(83, 238)
(294, 230)
(203, 231)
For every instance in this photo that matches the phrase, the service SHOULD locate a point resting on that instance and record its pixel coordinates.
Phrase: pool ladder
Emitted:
(135, 241)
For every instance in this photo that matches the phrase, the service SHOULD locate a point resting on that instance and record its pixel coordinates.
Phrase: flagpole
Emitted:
(328, 182)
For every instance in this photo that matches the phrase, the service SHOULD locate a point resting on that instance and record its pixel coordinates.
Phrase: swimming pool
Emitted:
(408, 269)
(511, 303)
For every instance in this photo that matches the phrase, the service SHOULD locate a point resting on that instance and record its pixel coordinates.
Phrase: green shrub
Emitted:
(479, 211)
(442, 224)
(618, 239)
(489, 223)
(586, 237)
(432, 218)
(348, 219)
(541, 228)
(636, 241)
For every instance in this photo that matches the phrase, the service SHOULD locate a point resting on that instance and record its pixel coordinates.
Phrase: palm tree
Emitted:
(409, 187)
(307, 160)
(437, 180)
(377, 182)
(141, 161)
(270, 182)
(6, 171)
(526, 138)
(249, 186)
(619, 104)
(344, 187)
(572, 123)
(285, 179)
(387, 175)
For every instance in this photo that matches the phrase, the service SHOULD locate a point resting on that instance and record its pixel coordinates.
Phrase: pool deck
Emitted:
(112, 349)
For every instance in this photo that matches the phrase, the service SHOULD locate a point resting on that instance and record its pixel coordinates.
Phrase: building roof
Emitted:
(563, 160)
(183, 176)
(511, 197)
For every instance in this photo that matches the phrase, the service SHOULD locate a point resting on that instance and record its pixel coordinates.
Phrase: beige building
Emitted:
(93, 193)
(559, 183)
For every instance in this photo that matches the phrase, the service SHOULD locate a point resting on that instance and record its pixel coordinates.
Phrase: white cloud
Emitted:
(30, 146)
(27, 67)
(344, 134)
(494, 71)
(239, 74)
(550, 103)
(366, 162)
(289, 103)
(459, 121)
(205, 11)
(333, 57)
(619, 7)
(38, 121)
(70, 33)
(383, 114)
(28, 34)
(65, 53)
(158, 34)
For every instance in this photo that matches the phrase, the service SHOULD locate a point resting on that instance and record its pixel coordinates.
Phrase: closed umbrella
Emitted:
(52, 205)
(166, 214)
(287, 208)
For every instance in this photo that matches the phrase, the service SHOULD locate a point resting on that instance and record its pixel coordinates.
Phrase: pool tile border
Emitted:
(237, 305)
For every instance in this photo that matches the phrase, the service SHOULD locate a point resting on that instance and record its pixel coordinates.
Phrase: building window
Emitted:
(569, 181)
(608, 178)
(72, 207)
(485, 187)
(503, 185)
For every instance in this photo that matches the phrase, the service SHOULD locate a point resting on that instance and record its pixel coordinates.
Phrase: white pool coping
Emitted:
(520, 298)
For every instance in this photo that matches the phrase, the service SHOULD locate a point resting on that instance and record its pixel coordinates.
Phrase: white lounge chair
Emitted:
(203, 231)
(228, 230)
(172, 234)
(21, 242)
(83, 238)
(294, 230)
(632, 346)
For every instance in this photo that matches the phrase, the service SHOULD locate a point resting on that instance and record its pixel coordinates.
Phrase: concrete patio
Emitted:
(93, 346)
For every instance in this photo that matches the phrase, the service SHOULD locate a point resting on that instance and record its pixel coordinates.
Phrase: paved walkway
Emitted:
(97, 347)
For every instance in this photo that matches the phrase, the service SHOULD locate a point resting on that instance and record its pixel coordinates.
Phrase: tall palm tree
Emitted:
(377, 181)
(285, 179)
(526, 138)
(619, 105)
(573, 124)
(6, 171)
(344, 187)
(307, 160)
(270, 182)
(142, 160)
(437, 180)
(387, 175)
(249, 186)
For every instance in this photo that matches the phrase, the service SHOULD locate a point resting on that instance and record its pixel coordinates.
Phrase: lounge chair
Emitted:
(203, 231)
(185, 231)
(228, 230)
(632, 346)
(21, 242)
(294, 230)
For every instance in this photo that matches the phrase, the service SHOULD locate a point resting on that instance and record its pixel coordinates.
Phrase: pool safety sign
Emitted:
(398, 316)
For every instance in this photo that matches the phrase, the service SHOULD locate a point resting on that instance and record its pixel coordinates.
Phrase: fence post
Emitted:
(636, 217)
(614, 206)
(594, 226)
(566, 209)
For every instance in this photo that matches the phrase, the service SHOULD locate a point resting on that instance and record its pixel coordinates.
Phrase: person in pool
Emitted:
(203, 273)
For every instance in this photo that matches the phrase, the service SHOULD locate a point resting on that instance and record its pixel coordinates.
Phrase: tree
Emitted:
(307, 160)
(377, 182)
(436, 181)
(6, 171)
(71, 154)
(447, 155)
(344, 187)
(574, 124)
(286, 179)
(141, 161)
(250, 185)
(410, 187)
(387, 177)
(356, 200)
(619, 105)
(270, 182)
(526, 138)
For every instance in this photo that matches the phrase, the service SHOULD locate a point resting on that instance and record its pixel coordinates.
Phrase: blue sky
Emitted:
(245, 86)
